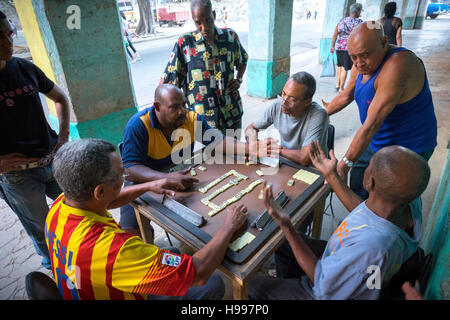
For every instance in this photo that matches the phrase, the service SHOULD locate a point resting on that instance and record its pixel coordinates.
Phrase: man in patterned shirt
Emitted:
(93, 258)
(203, 64)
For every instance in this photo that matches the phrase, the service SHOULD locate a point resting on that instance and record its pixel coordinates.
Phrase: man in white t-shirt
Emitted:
(297, 118)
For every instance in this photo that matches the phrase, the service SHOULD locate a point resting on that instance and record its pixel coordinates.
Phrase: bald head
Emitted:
(367, 46)
(170, 106)
(400, 175)
(367, 31)
(165, 91)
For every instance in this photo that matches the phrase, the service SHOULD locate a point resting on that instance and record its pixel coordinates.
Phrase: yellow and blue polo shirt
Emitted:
(145, 144)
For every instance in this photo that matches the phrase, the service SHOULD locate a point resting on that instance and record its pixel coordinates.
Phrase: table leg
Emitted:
(318, 216)
(144, 226)
(240, 290)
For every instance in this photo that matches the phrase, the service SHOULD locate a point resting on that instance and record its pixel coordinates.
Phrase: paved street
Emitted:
(155, 54)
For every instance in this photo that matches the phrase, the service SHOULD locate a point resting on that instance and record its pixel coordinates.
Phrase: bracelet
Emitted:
(347, 162)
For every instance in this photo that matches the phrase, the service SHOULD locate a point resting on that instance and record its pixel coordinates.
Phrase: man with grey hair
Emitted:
(298, 119)
(93, 258)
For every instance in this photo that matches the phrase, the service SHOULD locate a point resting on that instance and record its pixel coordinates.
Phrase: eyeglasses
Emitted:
(290, 103)
(123, 176)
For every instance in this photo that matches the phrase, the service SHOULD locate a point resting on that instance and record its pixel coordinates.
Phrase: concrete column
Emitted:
(421, 14)
(79, 45)
(335, 10)
(410, 14)
(374, 9)
(270, 24)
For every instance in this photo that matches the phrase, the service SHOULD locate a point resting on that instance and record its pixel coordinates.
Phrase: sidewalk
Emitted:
(17, 255)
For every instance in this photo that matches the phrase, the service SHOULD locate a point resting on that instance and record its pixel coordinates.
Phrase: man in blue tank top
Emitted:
(390, 87)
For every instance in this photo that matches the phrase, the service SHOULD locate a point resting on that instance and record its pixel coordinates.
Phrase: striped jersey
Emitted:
(94, 259)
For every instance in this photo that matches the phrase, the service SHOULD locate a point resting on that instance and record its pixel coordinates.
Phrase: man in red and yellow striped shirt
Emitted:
(93, 258)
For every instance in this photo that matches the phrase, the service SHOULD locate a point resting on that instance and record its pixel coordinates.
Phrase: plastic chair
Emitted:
(39, 286)
(415, 269)
(330, 141)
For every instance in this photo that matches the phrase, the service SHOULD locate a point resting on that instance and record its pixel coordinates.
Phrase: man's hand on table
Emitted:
(235, 218)
(181, 180)
(274, 209)
(164, 186)
(264, 148)
(14, 162)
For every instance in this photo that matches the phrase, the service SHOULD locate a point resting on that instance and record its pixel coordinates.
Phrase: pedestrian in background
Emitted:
(341, 34)
(392, 25)
(126, 33)
(13, 26)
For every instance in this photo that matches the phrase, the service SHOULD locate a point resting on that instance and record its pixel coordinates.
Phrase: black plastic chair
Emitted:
(330, 141)
(416, 268)
(39, 286)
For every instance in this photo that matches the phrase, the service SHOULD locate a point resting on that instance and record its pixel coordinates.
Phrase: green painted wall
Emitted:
(270, 24)
(410, 14)
(93, 58)
(110, 127)
(335, 10)
(421, 14)
(87, 61)
(436, 239)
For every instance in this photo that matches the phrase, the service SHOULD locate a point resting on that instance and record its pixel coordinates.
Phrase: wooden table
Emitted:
(238, 273)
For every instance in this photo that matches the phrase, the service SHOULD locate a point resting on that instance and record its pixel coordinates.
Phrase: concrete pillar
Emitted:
(410, 14)
(374, 9)
(79, 45)
(335, 10)
(421, 14)
(270, 24)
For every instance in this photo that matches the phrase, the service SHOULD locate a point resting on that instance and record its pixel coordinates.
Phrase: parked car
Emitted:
(435, 9)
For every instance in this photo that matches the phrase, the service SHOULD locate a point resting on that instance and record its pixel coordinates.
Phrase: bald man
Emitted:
(163, 135)
(390, 87)
(369, 246)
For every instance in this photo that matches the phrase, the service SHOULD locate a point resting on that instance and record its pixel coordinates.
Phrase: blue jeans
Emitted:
(357, 172)
(24, 192)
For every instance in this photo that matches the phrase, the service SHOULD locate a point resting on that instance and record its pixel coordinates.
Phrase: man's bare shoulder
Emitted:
(403, 60)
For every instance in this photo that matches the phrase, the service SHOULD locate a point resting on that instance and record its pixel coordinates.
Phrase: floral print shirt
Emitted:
(345, 27)
(204, 73)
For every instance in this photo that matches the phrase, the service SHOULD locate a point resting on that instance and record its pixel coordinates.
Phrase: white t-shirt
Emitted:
(296, 133)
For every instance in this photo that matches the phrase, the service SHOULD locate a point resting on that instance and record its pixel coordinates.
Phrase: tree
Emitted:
(146, 25)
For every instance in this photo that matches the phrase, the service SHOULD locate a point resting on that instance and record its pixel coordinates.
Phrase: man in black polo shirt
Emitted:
(27, 142)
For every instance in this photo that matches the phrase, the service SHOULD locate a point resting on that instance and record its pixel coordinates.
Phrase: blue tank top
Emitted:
(411, 124)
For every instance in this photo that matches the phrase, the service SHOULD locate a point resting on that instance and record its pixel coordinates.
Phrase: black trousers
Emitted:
(286, 264)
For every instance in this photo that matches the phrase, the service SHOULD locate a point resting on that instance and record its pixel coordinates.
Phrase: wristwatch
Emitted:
(347, 162)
